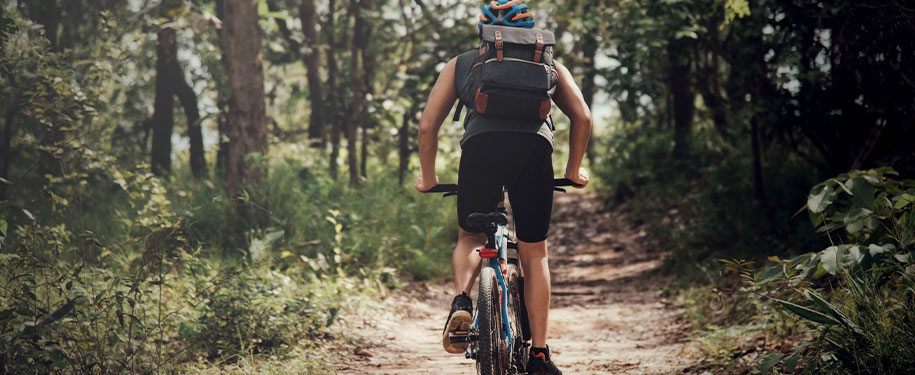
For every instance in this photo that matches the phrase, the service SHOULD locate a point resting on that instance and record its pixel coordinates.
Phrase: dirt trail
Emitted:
(608, 314)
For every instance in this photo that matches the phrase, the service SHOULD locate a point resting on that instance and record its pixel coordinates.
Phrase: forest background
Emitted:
(187, 184)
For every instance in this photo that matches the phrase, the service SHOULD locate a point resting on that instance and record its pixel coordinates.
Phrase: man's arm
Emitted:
(437, 107)
(570, 101)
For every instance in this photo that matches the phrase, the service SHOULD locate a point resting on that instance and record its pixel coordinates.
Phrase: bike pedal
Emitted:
(463, 336)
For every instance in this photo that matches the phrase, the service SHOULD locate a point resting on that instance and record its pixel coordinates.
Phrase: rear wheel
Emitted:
(489, 359)
(517, 317)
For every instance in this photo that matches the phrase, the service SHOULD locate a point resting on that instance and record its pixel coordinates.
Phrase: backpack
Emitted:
(513, 75)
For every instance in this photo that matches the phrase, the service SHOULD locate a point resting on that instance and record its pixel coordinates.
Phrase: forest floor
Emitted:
(608, 316)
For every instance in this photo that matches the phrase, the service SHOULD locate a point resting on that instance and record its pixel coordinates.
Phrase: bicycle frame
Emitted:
(499, 243)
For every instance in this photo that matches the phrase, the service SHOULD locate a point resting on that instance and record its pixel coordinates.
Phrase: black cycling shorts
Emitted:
(522, 162)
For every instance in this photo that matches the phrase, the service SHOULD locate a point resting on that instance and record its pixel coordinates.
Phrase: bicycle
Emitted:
(499, 337)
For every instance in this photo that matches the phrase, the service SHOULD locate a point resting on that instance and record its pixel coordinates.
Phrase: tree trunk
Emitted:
(589, 52)
(708, 83)
(170, 81)
(364, 153)
(188, 100)
(164, 106)
(355, 108)
(247, 121)
(404, 141)
(222, 103)
(757, 162)
(49, 15)
(6, 154)
(682, 95)
(333, 111)
(312, 57)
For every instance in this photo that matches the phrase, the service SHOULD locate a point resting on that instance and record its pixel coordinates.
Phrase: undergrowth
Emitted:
(169, 274)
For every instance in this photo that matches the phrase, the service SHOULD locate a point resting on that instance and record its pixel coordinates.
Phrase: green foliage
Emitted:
(255, 310)
(106, 268)
(705, 207)
(863, 323)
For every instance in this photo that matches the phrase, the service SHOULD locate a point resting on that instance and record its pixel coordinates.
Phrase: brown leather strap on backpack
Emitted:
(498, 35)
(545, 108)
(481, 100)
(538, 51)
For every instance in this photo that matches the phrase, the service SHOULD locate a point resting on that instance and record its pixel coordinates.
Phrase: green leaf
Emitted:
(853, 256)
(823, 305)
(856, 214)
(903, 200)
(820, 198)
(829, 260)
(769, 361)
(800, 259)
(135, 320)
(769, 274)
(262, 8)
(56, 315)
(333, 315)
(811, 315)
(792, 360)
(876, 250)
(862, 192)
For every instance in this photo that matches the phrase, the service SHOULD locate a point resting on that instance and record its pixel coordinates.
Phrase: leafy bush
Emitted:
(254, 311)
(857, 296)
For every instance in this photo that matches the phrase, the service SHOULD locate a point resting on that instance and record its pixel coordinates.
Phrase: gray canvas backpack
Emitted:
(513, 74)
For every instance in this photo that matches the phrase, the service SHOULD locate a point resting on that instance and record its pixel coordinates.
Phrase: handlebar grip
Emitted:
(559, 182)
(442, 188)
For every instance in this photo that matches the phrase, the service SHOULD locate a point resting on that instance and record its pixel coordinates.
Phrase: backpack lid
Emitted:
(516, 35)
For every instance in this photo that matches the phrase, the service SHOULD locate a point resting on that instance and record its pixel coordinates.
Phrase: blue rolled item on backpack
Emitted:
(506, 12)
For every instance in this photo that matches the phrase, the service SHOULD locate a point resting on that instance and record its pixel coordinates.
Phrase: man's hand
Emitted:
(422, 184)
(579, 177)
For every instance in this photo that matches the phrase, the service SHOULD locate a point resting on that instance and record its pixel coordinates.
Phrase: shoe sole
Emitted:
(460, 321)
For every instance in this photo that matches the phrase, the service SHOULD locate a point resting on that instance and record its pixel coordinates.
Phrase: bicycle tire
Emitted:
(517, 319)
(490, 324)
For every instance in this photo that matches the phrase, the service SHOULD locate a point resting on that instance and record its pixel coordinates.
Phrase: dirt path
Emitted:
(608, 314)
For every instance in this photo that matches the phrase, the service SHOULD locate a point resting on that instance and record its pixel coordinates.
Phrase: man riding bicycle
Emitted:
(497, 152)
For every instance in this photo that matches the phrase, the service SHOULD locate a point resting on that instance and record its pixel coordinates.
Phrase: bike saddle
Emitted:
(486, 222)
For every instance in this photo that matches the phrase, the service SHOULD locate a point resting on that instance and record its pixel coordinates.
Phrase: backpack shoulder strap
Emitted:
(461, 67)
(458, 107)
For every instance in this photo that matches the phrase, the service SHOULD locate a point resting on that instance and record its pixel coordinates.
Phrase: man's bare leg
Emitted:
(466, 260)
(536, 288)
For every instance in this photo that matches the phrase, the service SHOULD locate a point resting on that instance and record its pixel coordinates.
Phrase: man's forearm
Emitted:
(579, 134)
(428, 149)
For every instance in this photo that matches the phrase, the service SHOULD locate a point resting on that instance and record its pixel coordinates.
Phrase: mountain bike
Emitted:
(499, 338)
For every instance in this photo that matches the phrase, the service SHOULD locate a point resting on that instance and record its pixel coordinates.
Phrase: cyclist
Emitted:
(497, 152)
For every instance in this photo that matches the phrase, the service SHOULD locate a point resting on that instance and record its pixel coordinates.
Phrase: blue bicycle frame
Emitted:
(497, 263)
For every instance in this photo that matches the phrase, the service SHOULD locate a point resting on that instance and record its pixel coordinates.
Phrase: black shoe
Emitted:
(540, 363)
(458, 320)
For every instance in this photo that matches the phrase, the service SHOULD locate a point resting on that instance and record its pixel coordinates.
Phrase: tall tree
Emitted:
(170, 81)
(682, 96)
(247, 120)
(333, 99)
(403, 138)
(312, 57)
(361, 29)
